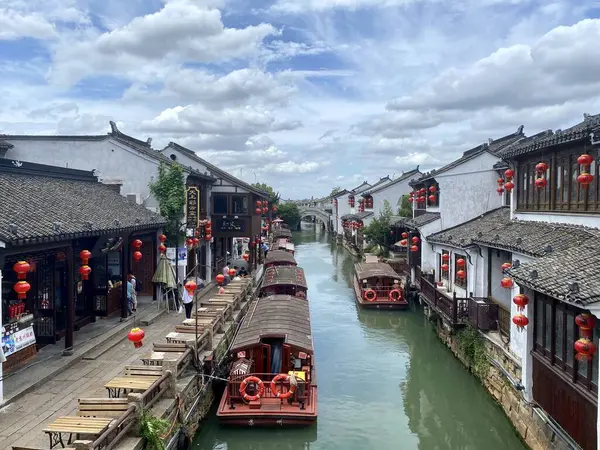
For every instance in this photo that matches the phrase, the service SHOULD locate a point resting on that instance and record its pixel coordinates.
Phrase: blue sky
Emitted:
(302, 94)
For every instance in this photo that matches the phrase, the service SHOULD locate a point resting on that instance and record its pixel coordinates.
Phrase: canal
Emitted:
(385, 379)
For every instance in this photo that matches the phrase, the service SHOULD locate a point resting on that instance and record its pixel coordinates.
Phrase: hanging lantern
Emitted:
(404, 235)
(500, 180)
(410, 199)
(162, 238)
(506, 266)
(265, 210)
(137, 256)
(541, 167)
(265, 203)
(509, 186)
(258, 211)
(586, 323)
(137, 244)
(258, 204)
(85, 271)
(521, 300)
(207, 237)
(414, 240)
(220, 279)
(507, 283)
(403, 243)
(461, 274)
(245, 256)
(585, 179)
(520, 321)
(195, 241)
(445, 267)
(208, 224)
(414, 248)
(446, 257)
(500, 190)
(21, 267)
(275, 209)
(136, 335)
(585, 349)
(460, 262)
(190, 287)
(22, 288)
(585, 160)
(432, 189)
(540, 183)
(85, 256)
(232, 273)
(509, 173)
(189, 242)
(432, 198)
(162, 248)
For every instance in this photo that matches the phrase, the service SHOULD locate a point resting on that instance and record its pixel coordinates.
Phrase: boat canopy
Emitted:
(284, 275)
(280, 316)
(282, 233)
(371, 270)
(280, 256)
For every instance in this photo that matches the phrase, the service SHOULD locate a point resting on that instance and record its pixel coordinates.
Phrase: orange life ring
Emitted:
(395, 295)
(275, 391)
(370, 295)
(244, 385)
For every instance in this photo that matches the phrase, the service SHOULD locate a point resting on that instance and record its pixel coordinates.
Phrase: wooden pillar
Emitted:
(70, 302)
(155, 263)
(125, 258)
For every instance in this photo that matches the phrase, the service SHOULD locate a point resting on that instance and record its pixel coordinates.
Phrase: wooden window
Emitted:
(220, 204)
(555, 334)
(444, 274)
(239, 204)
(563, 192)
(462, 282)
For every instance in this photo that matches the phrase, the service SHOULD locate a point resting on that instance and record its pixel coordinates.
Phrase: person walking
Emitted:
(130, 292)
(188, 303)
(133, 281)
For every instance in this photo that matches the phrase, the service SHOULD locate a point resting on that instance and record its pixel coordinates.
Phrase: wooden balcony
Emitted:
(400, 266)
(453, 309)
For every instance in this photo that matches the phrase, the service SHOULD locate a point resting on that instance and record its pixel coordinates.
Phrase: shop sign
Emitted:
(17, 336)
(228, 225)
(192, 207)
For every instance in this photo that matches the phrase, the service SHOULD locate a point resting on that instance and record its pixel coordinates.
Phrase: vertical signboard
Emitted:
(192, 207)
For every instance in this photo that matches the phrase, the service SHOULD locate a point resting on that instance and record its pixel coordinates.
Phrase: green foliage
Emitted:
(274, 197)
(404, 207)
(378, 231)
(472, 346)
(169, 190)
(152, 430)
(335, 190)
(290, 213)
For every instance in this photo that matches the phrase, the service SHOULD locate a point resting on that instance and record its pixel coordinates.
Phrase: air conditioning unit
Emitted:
(483, 314)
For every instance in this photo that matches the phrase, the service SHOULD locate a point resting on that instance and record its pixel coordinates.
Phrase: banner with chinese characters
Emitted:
(192, 207)
(16, 336)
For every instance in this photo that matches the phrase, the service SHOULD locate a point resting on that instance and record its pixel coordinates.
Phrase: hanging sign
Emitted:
(192, 207)
(16, 336)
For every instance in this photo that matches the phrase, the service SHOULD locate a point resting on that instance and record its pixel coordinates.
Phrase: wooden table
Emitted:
(75, 426)
(157, 358)
(118, 384)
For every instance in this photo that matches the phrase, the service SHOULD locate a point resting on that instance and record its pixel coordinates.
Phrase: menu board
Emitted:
(16, 336)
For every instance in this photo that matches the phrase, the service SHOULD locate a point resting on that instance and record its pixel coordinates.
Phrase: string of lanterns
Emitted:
(137, 254)
(461, 273)
(351, 201)
(500, 188)
(21, 287)
(361, 205)
(432, 195)
(584, 346)
(85, 269)
(162, 248)
(541, 168)
(508, 175)
(585, 178)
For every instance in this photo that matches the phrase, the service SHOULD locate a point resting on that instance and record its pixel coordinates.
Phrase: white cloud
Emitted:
(15, 25)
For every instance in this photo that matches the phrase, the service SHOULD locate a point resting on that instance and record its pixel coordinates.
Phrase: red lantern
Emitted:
(162, 238)
(500, 180)
(22, 288)
(521, 300)
(275, 209)
(162, 248)
(137, 256)
(405, 235)
(195, 242)
(410, 200)
(446, 257)
(445, 267)
(265, 210)
(423, 191)
(208, 224)
(507, 283)
(586, 323)
(258, 211)
(509, 173)
(189, 242)
(85, 256)
(136, 335)
(232, 273)
(461, 274)
(432, 189)
(506, 266)
(21, 267)
(137, 244)
(414, 248)
(207, 237)
(432, 198)
(520, 321)
(403, 243)
(265, 203)
(500, 190)
(414, 240)
(585, 179)
(540, 183)
(585, 160)
(220, 279)
(541, 167)
(585, 348)
(460, 262)
(85, 271)
(245, 256)
(509, 186)
(190, 286)
(422, 199)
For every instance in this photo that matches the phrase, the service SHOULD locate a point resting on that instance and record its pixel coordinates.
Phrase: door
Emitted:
(286, 359)
(60, 297)
(266, 357)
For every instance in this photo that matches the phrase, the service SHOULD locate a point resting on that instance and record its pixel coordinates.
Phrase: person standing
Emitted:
(226, 274)
(130, 291)
(133, 282)
(188, 303)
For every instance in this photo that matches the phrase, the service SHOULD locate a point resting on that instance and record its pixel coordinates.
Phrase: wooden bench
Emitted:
(212, 323)
(180, 338)
(89, 426)
(119, 385)
(102, 407)
(143, 371)
(156, 358)
(223, 303)
(207, 310)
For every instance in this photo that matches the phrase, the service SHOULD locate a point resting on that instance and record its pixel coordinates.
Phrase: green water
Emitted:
(385, 379)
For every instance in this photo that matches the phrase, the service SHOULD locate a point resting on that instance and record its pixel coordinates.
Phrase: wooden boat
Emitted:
(377, 285)
(284, 280)
(280, 258)
(272, 381)
(282, 233)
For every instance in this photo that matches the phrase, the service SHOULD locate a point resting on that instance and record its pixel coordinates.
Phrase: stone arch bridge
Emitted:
(320, 213)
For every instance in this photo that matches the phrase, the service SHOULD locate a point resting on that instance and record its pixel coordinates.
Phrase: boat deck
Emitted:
(381, 302)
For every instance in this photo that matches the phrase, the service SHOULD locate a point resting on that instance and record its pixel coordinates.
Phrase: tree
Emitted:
(290, 214)
(169, 191)
(404, 207)
(335, 190)
(378, 231)
(273, 196)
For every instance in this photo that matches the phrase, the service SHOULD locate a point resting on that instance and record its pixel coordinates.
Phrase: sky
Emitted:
(304, 95)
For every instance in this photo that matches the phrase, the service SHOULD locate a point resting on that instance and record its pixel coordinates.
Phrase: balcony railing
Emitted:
(454, 309)
(302, 394)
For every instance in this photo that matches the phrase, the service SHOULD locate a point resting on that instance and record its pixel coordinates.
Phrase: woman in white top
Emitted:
(188, 303)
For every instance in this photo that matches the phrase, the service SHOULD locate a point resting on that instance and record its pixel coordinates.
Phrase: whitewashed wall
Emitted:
(468, 190)
(392, 194)
(343, 209)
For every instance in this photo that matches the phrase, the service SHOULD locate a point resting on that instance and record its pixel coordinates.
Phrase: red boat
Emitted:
(279, 258)
(284, 280)
(272, 381)
(377, 285)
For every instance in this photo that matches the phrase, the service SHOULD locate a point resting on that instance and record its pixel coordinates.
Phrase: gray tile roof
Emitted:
(403, 177)
(364, 185)
(423, 219)
(43, 203)
(379, 184)
(495, 229)
(548, 138)
(571, 275)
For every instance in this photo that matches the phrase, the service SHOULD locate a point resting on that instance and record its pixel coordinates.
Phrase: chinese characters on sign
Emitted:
(17, 336)
(231, 225)
(192, 207)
